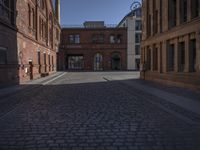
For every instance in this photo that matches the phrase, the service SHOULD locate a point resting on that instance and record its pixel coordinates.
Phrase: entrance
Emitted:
(116, 61)
(75, 62)
(31, 70)
(98, 62)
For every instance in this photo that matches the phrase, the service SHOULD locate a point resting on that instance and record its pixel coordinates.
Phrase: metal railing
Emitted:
(88, 27)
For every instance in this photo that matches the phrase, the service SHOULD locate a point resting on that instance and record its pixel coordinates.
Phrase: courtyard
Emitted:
(99, 111)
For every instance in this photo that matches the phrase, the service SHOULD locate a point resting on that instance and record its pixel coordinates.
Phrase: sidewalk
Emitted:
(182, 97)
(190, 103)
(15, 89)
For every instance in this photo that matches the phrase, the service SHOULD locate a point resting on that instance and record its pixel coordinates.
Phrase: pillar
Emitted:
(187, 59)
(176, 56)
(164, 60)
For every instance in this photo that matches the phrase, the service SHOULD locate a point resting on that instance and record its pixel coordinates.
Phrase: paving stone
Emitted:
(96, 115)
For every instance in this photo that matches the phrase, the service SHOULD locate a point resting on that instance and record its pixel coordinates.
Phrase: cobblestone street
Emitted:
(98, 111)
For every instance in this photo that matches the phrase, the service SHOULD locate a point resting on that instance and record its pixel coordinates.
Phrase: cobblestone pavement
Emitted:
(84, 111)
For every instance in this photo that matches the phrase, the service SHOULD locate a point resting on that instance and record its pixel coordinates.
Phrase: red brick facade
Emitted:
(95, 49)
(29, 40)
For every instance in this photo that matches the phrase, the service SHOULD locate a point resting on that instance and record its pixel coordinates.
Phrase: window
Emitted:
(52, 63)
(194, 8)
(155, 22)
(29, 15)
(45, 62)
(148, 62)
(114, 39)
(7, 11)
(98, 38)
(33, 19)
(138, 37)
(137, 50)
(181, 56)
(138, 25)
(41, 4)
(3, 55)
(161, 5)
(49, 60)
(183, 11)
(172, 13)
(170, 57)
(155, 59)
(39, 62)
(138, 13)
(192, 55)
(149, 25)
(74, 39)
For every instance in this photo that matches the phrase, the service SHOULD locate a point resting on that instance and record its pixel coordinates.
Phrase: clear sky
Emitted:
(75, 12)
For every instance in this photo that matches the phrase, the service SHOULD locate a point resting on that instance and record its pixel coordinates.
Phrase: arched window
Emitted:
(98, 62)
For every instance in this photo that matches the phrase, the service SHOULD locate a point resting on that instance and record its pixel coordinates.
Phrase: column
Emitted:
(176, 56)
(187, 59)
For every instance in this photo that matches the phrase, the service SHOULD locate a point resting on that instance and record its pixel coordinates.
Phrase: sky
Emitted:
(76, 12)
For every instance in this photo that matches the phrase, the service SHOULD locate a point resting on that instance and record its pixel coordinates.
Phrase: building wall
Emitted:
(129, 21)
(163, 57)
(35, 29)
(88, 49)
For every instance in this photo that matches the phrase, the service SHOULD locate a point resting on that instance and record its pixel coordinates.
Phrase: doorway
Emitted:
(31, 70)
(116, 61)
(75, 62)
(98, 62)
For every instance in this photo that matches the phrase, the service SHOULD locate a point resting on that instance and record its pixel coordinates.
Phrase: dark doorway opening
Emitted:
(116, 61)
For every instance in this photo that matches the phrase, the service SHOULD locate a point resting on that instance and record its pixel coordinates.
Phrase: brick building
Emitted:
(93, 47)
(29, 39)
(171, 42)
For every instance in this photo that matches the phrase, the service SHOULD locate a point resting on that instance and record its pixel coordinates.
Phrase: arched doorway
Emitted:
(116, 61)
(98, 62)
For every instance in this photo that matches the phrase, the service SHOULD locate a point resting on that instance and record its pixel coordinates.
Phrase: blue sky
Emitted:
(75, 12)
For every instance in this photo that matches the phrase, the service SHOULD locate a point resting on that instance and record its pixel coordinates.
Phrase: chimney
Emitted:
(57, 7)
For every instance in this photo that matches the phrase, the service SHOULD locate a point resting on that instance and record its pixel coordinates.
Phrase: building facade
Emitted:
(171, 42)
(134, 35)
(29, 39)
(93, 47)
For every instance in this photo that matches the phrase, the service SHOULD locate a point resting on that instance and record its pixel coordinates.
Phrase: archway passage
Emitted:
(116, 61)
(98, 62)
